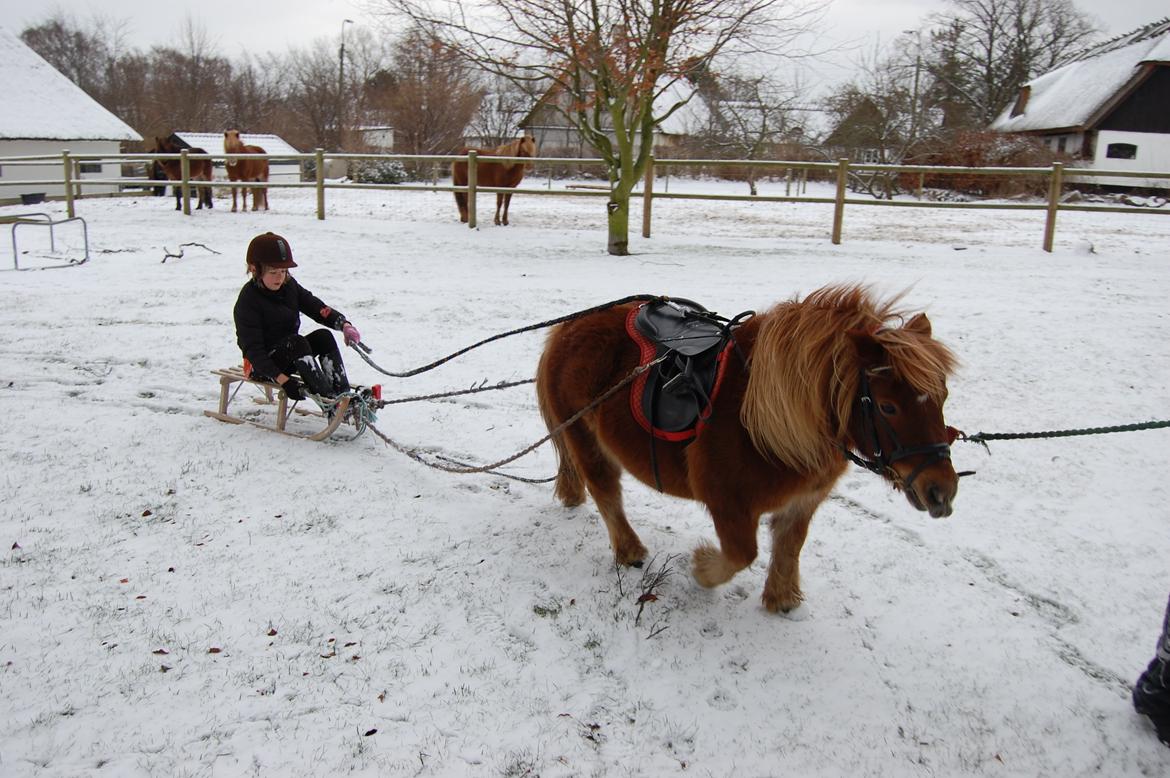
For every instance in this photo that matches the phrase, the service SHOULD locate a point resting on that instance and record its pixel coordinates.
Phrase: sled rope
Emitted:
(463, 468)
(364, 351)
(482, 387)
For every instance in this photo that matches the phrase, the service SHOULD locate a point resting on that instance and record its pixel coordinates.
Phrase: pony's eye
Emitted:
(888, 409)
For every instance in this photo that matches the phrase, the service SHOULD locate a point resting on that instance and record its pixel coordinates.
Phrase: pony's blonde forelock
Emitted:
(805, 370)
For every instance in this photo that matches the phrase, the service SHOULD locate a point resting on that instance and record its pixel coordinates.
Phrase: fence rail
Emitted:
(73, 182)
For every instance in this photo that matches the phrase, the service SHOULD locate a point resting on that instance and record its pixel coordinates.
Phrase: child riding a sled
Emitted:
(268, 319)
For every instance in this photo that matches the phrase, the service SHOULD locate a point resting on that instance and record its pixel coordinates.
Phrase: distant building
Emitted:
(45, 113)
(1108, 106)
(556, 136)
(377, 138)
(279, 170)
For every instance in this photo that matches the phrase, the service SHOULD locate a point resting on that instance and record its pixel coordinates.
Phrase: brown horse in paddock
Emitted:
(497, 174)
(197, 169)
(246, 170)
(837, 373)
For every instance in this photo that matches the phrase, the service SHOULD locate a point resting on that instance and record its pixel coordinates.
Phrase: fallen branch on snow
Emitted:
(169, 255)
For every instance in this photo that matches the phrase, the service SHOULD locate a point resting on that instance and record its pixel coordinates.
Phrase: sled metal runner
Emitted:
(232, 379)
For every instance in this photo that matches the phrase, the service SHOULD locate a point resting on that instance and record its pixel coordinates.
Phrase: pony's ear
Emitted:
(869, 351)
(919, 324)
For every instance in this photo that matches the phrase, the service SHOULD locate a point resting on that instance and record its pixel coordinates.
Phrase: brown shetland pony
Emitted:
(776, 440)
(493, 173)
(197, 169)
(246, 170)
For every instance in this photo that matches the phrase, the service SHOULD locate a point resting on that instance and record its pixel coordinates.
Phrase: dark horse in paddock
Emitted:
(838, 372)
(246, 170)
(197, 169)
(497, 174)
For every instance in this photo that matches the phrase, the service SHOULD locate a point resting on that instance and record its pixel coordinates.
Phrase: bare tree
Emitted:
(607, 61)
(982, 51)
(311, 100)
(498, 117)
(86, 53)
(748, 118)
(428, 94)
(884, 114)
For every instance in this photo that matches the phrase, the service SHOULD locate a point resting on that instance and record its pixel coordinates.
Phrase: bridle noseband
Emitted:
(881, 461)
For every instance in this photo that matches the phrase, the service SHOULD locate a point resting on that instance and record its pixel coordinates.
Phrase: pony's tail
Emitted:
(570, 488)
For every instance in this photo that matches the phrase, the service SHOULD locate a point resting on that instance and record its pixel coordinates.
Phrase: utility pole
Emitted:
(340, 117)
(914, 95)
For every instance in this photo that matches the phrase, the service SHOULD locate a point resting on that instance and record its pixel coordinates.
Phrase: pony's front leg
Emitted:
(789, 530)
(234, 205)
(499, 207)
(507, 204)
(737, 548)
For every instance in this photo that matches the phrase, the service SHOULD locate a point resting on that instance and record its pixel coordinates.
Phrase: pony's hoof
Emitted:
(786, 604)
(631, 558)
(800, 613)
(710, 567)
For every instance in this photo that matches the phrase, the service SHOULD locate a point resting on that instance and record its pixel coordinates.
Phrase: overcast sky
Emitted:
(263, 25)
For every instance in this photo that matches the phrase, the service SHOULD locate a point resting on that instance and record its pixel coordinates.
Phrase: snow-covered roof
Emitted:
(42, 104)
(212, 142)
(1074, 94)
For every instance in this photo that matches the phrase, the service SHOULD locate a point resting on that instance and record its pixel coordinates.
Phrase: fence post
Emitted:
(68, 167)
(185, 180)
(472, 180)
(839, 205)
(1055, 184)
(320, 184)
(647, 196)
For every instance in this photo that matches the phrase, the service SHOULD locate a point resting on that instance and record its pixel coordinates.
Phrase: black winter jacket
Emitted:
(265, 318)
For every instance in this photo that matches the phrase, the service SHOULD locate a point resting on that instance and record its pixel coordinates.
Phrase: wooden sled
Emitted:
(272, 395)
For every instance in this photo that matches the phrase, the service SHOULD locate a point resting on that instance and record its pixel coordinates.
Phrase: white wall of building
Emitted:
(1152, 154)
(48, 177)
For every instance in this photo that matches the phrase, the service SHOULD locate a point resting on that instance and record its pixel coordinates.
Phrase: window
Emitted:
(90, 167)
(1121, 151)
(1062, 144)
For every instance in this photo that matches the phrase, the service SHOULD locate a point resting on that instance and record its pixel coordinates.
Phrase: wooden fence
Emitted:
(1056, 176)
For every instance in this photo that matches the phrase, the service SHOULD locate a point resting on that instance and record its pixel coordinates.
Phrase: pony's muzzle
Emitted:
(930, 488)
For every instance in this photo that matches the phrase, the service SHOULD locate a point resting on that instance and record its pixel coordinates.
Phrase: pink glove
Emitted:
(351, 334)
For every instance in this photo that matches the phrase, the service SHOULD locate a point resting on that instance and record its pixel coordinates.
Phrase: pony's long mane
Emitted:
(805, 370)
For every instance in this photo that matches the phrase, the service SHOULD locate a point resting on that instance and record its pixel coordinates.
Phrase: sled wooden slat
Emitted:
(273, 395)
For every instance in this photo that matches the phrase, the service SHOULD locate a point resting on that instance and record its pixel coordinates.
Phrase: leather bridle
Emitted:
(878, 460)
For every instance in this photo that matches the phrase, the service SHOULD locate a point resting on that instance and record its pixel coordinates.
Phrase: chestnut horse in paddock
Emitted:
(814, 381)
(197, 169)
(246, 170)
(493, 174)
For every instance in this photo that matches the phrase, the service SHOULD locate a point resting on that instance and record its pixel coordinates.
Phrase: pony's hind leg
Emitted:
(602, 478)
(789, 530)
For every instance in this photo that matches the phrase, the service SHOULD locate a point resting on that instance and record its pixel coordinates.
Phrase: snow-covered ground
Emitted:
(183, 597)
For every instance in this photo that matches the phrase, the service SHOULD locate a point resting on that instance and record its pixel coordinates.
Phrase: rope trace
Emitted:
(461, 468)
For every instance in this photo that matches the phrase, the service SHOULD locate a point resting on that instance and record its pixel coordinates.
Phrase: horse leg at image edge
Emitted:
(789, 530)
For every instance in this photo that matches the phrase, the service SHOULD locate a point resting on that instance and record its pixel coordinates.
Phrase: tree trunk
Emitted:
(619, 223)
